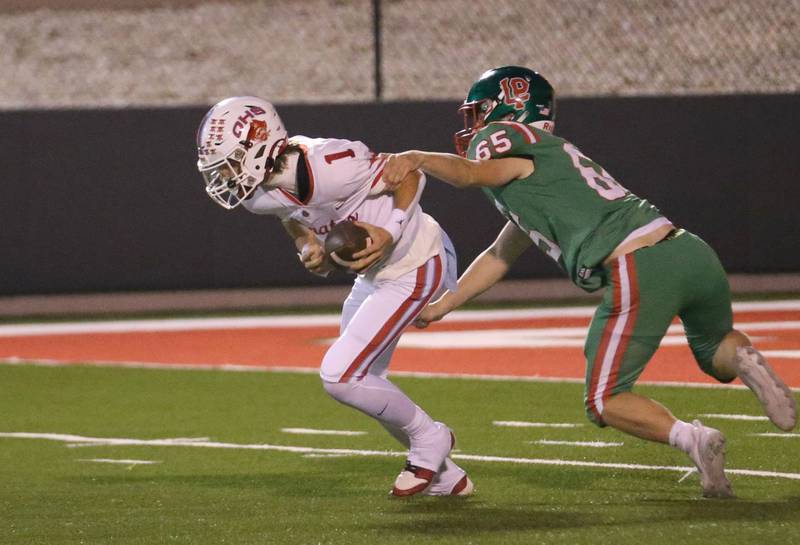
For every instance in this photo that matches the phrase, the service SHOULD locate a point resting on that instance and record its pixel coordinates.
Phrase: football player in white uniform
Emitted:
(311, 184)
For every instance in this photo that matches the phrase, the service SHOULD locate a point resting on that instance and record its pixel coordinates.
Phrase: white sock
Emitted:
(420, 424)
(380, 399)
(680, 436)
(400, 435)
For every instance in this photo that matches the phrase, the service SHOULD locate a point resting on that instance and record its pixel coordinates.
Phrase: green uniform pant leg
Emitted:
(637, 309)
(706, 315)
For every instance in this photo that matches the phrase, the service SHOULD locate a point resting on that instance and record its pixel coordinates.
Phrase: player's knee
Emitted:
(725, 349)
(339, 357)
(334, 364)
(718, 359)
(593, 413)
(353, 395)
(340, 391)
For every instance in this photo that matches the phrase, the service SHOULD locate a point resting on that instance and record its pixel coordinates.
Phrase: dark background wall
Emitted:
(109, 200)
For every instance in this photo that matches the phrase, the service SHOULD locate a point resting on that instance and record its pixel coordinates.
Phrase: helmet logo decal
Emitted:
(515, 91)
(242, 120)
(257, 132)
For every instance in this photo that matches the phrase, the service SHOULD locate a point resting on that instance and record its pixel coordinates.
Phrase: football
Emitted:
(345, 239)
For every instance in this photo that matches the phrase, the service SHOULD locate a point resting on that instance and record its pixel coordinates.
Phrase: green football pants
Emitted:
(645, 290)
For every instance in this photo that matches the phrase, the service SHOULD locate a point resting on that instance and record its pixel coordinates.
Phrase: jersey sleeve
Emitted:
(503, 139)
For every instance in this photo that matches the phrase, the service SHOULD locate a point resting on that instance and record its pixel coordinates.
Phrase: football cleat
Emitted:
(776, 398)
(412, 480)
(416, 478)
(708, 454)
(463, 488)
(451, 480)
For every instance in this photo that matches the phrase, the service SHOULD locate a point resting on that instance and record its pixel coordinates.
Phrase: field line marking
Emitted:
(791, 354)
(553, 337)
(310, 431)
(116, 461)
(101, 441)
(317, 320)
(723, 416)
(593, 444)
(518, 424)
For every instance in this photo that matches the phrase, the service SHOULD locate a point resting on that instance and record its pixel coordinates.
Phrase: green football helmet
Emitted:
(508, 93)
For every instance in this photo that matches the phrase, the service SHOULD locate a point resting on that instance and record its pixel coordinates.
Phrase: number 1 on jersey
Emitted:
(331, 157)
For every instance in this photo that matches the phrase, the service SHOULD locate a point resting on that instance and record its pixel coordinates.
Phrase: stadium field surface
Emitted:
(141, 431)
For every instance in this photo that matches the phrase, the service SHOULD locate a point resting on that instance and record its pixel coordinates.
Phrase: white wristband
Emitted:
(396, 224)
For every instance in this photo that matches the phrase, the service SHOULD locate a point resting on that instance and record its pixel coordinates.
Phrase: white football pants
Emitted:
(373, 318)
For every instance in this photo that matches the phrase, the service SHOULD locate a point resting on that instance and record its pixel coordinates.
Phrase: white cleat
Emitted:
(776, 398)
(463, 488)
(412, 480)
(433, 451)
(451, 480)
(708, 454)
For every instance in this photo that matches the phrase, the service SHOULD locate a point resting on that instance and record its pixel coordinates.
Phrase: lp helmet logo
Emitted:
(515, 92)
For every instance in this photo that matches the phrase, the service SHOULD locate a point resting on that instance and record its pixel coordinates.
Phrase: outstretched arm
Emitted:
(455, 170)
(485, 271)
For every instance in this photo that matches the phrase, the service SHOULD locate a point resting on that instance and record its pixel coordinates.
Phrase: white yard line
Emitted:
(724, 416)
(102, 441)
(310, 431)
(172, 440)
(519, 424)
(115, 461)
(318, 320)
(591, 444)
(791, 354)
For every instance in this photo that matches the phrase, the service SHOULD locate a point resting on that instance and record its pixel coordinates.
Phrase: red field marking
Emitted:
(304, 347)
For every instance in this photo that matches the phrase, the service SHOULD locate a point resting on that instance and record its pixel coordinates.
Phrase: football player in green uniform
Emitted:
(603, 236)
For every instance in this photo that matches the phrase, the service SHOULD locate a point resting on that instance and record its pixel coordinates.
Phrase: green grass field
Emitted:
(202, 495)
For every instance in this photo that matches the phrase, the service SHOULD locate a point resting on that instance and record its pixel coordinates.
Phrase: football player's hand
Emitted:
(397, 167)
(432, 313)
(312, 256)
(379, 245)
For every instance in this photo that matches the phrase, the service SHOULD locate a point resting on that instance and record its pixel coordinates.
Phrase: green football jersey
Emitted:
(570, 207)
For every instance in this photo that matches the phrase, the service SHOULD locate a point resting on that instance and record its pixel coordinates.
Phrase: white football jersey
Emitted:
(345, 184)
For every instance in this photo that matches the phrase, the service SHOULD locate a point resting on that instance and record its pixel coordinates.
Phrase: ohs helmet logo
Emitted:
(515, 91)
(243, 120)
(257, 132)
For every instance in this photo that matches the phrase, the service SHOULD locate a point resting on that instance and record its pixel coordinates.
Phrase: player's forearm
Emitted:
(461, 172)
(482, 274)
(405, 196)
(408, 192)
(452, 169)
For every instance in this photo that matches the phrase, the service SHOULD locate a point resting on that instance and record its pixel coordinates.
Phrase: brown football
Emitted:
(345, 238)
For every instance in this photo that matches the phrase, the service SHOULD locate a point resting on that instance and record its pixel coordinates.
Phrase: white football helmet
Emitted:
(238, 142)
